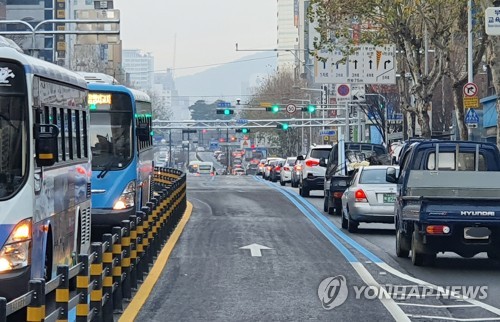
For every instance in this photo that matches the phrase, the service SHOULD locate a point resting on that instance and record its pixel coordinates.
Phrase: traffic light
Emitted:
(225, 111)
(283, 126)
(275, 108)
(243, 130)
(233, 139)
(311, 108)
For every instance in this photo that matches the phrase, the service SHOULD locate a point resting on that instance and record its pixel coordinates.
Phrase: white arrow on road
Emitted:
(255, 249)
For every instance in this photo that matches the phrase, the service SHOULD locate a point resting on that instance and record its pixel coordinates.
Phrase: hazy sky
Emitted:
(206, 30)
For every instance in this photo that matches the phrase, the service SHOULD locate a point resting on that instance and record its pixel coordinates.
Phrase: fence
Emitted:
(115, 266)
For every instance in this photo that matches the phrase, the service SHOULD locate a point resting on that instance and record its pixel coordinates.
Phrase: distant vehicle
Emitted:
(255, 153)
(252, 169)
(193, 166)
(313, 176)
(369, 198)
(206, 168)
(238, 172)
(161, 159)
(200, 149)
(275, 172)
(448, 199)
(296, 171)
(269, 165)
(286, 170)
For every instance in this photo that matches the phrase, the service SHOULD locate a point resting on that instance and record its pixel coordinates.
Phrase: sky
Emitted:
(206, 31)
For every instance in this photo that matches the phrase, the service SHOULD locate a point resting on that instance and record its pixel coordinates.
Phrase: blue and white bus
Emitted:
(122, 150)
(45, 170)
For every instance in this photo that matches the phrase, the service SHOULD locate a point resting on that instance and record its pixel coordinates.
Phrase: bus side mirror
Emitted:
(142, 131)
(46, 144)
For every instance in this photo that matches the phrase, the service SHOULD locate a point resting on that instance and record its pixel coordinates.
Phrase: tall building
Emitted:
(33, 12)
(139, 67)
(288, 34)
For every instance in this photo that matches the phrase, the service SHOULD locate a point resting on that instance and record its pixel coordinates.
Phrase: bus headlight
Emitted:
(127, 198)
(15, 253)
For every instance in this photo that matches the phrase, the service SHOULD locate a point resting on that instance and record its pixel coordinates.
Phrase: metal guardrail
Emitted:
(115, 266)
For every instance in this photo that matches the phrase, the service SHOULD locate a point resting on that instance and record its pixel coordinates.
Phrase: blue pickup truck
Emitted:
(448, 200)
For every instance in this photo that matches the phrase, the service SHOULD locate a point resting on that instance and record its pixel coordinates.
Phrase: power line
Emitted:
(207, 65)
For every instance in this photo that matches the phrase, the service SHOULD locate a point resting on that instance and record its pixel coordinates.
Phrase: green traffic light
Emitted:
(93, 107)
(245, 131)
(284, 126)
(227, 112)
(275, 109)
(311, 108)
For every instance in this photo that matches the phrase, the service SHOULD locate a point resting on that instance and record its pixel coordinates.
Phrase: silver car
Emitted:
(369, 198)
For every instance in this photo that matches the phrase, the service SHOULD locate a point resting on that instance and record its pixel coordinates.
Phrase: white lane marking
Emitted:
(255, 249)
(387, 301)
(409, 278)
(431, 317)
(438, 306)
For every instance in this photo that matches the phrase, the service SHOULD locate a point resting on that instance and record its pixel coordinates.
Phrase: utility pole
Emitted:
(227, 150)
(170, 148)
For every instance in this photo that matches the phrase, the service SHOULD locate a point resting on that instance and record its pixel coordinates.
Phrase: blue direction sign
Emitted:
(242, 121)
(327, 132)
(471, 117)
(224, 104)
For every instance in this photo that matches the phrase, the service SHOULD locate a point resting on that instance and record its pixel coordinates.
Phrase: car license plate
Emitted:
(389, 198)
(476, 233)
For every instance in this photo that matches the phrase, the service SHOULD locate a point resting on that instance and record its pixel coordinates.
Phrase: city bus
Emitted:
(122, 150)
(44, 170)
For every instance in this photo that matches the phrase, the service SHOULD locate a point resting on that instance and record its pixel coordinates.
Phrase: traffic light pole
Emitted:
(227, 150)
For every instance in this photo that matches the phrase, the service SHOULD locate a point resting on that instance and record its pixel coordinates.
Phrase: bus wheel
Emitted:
(47, 268)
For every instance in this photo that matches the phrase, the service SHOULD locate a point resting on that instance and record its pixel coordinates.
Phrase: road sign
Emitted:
(395, 117)
(492, 21)
(291, 108)
(242, 121)
(327, 132)
(343, 93)
(358, 93)
(368, 64)
(471, 102)
(470, 90)
(471, 117)
(265, 104)
(224, 104)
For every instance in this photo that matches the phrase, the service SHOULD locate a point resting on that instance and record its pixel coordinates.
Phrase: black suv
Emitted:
(335, 183)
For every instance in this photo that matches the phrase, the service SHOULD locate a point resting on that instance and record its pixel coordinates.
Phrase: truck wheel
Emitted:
(416, 258)
(344, 220)
(402, 247)
(352, 225)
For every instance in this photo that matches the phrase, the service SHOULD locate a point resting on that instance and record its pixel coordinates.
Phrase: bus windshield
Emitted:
(111, 130)
(12, 148)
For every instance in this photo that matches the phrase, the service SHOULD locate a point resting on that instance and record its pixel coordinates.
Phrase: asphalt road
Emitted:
(209, 277)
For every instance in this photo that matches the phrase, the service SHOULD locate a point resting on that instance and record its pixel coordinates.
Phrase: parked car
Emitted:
(238, 172)
(252, 169)
(286, 170)
(275, 173)
(312, 175)
(296, 172)
(369, 198)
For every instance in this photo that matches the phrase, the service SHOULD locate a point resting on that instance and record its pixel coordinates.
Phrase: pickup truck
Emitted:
(447, 200)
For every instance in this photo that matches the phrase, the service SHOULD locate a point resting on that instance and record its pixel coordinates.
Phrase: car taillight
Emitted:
(278, 168)
(437, 229)
(312, 163)
(360, 196)
(286, 169)
(337, 195)
(298, 168)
